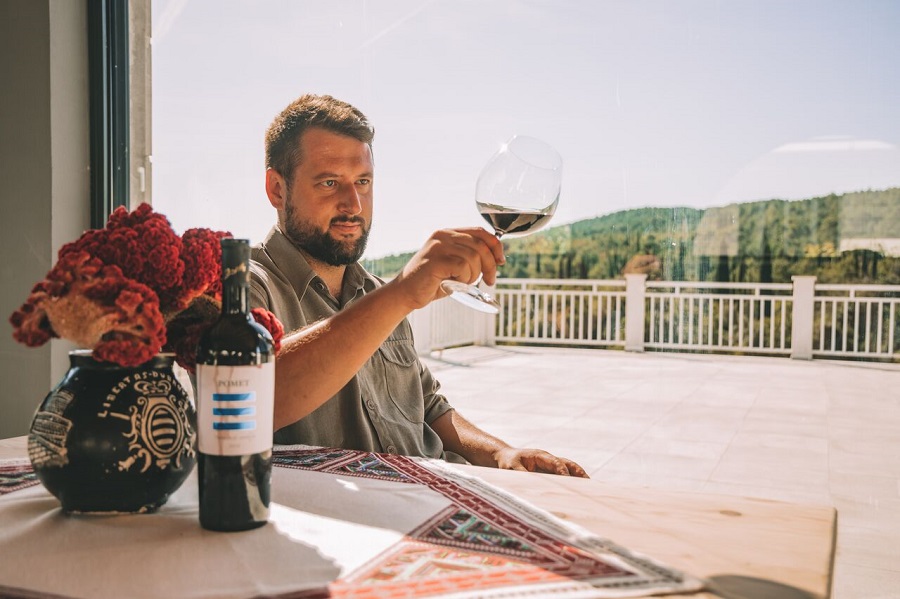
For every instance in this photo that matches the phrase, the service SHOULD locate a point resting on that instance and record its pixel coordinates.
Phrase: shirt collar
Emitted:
(291, 262)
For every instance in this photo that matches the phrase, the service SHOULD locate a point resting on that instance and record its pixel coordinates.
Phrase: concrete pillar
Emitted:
(635, 296)
(802, 317)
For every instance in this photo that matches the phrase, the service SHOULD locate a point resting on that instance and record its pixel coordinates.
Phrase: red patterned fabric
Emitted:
(474, 546)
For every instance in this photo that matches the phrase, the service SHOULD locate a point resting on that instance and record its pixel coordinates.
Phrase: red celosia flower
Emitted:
(111, 289)
(186, 329)
(95, 306)
(271, 323)
(184, 335)
(142, 244)
(202, 264)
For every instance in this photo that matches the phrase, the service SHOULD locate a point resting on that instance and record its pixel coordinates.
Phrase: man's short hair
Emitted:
(308, 111)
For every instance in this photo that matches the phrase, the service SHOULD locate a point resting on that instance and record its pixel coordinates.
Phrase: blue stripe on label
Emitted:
(234, 411)
(234, 396)
(234, 426)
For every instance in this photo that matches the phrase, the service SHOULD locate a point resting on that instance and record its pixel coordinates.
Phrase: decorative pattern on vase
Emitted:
(49, 431)
(159, 433)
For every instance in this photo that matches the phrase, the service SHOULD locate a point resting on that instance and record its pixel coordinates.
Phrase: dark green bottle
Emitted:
(235, 404)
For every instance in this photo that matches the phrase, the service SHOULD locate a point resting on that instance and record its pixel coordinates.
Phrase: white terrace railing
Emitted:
(738, 317)
(561, 312)
(799, 319)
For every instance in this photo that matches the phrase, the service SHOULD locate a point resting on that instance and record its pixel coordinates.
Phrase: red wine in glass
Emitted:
(516, 224)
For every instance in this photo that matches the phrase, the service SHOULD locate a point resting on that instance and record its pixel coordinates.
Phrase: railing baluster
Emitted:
(730, 322)
(721, 321)
(893, 311)
(580, 317)
(878, 348)
(868, 328)
(617, 321)
(662, 318)
(834, 327)
(783, 344)
(845, 331)
(604, 311)
(755, 321)
(534, 320)
(543, 311)
(510, 320)
(760, 322)
(690, 320)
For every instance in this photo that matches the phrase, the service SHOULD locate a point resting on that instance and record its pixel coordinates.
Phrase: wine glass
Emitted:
(516, 193)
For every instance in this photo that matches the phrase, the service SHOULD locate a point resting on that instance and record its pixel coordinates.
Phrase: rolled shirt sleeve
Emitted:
(389, 404)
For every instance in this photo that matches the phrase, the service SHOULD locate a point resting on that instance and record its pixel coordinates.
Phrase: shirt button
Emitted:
(391, 449)
(370, 404)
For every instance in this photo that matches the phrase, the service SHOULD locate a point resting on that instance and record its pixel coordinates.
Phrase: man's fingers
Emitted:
(575, 470)
(492, 242)
(479, 248)
(547, 462)
(450, 254)
(490, 252)
(559, 466)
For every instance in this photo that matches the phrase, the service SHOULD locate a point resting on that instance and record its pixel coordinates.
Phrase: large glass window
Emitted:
(703, 110)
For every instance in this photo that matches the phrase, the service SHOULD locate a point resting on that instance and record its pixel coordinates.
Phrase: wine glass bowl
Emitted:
(516, 193)
(518, 190)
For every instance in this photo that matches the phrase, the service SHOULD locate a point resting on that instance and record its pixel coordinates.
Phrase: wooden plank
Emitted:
(745, 547)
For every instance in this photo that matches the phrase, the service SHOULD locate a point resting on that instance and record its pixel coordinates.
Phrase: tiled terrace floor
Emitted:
(820, 432)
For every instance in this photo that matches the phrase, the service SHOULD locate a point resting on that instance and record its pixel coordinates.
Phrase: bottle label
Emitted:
(235, 408)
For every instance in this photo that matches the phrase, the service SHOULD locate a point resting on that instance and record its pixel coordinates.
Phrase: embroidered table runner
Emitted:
(343, 524)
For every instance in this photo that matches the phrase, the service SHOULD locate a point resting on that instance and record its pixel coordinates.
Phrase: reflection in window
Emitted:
(736, 141)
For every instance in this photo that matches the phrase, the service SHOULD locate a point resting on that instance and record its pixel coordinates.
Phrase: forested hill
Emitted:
(850, 238)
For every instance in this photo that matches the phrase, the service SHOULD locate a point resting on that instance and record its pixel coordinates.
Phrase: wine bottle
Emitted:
(235, 404)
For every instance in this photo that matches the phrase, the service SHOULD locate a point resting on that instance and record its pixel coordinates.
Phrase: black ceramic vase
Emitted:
(111, 439)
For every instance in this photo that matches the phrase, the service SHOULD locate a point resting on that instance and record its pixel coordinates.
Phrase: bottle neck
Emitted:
(235, 296)
(235, 276)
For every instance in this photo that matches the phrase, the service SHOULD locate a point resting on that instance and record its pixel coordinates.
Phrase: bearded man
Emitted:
(348, 375)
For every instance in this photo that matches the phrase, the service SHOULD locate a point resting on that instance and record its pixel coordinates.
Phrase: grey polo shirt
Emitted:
(388, 405)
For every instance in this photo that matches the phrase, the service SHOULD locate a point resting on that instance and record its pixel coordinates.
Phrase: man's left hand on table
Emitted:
(537, 460)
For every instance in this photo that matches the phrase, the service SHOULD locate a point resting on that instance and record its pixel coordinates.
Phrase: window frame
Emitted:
(109, 95)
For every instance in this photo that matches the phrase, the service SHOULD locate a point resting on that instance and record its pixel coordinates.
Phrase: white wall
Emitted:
(44, 179)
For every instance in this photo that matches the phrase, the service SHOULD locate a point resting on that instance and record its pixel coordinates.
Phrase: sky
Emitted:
(650, 102)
